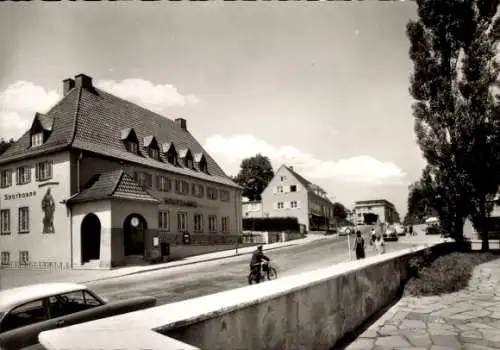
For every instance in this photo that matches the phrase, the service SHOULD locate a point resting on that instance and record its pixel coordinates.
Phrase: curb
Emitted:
(189, 263)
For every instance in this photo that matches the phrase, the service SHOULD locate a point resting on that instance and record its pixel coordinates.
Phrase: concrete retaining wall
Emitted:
(313, 310)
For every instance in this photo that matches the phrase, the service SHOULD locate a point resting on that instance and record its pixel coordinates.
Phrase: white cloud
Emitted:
(360, 169)
(21, 100)
(147, 94)
(18, 104)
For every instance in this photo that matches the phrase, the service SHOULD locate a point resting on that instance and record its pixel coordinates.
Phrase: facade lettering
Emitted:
(180, 203)
(19, 195)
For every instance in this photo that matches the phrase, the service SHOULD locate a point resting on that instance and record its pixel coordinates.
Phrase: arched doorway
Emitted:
(134, 228)
(90, 235)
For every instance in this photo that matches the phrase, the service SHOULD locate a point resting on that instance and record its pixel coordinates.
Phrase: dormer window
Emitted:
(130, 140)
(132, 147)
(170, 152)
(154, 153)
(187, 158)
(40, 129)
(201, 162)
(37, 139)
(152, 147)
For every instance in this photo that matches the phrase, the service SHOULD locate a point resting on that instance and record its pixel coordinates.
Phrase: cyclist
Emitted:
(255, 263)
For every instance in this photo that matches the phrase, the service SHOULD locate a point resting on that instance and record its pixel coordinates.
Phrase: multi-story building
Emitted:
(100, 179)
(384, 210)
(251, 209)
(290, 194)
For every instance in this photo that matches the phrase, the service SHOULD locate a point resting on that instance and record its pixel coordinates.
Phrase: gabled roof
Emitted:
(166, 146)
(184, 152)
(150, 141)
(311, 187)
(114, 184)
(198, 157)
(46, 122)
(126, 133)
(92, 120)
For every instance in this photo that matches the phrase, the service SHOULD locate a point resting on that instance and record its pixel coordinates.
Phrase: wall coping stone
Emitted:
(108, 333)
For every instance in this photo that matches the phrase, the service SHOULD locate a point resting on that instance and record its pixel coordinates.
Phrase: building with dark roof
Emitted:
(290, 194)
(98, 179)
(384, 210)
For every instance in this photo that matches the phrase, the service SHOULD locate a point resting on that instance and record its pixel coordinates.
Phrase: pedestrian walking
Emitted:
(380, 245)
(411, 230)
(359, 246)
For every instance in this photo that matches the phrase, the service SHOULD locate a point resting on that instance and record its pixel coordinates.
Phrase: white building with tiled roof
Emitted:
(290, 194)
(99, 180)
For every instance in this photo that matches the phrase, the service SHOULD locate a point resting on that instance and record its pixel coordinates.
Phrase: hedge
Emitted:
(271, 224)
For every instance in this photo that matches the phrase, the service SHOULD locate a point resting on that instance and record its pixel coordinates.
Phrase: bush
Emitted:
(271, 224)
(446, 274)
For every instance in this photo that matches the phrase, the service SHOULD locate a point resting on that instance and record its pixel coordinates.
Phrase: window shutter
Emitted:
(286, 188)
(28, 169)
(18, 170)
(275, 190)
(37, 171)
(50, 165)
(158, 183)
(298, 204)
(275, 205)
(286, 205)
(298, 188)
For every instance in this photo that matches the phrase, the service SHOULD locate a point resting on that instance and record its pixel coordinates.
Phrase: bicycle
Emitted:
(267, 272)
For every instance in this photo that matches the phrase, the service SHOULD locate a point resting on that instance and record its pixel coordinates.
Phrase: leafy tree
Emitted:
(255, 174)
(480, 74)
(339, 211)
(446, 125)
(4, 145)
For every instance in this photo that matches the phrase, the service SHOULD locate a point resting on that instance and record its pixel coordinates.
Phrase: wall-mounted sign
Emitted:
(156, 241)
(20, 195)
(180, 202)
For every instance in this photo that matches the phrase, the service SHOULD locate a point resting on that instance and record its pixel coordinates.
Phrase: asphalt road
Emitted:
(186, 282)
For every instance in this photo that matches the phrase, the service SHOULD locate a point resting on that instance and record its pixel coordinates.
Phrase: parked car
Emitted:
(400, 229)
(390, 234)
(27, 311)
(346, 230)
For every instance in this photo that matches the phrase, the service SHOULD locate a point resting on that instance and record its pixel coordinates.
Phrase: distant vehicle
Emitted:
(27, 311)
(390, 234)
(346, 230)
(267, 272)
(400, 229)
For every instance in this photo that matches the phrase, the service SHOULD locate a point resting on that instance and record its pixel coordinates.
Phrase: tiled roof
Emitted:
(306, 183)
(96, 121)
(115, 184)
(63, 115)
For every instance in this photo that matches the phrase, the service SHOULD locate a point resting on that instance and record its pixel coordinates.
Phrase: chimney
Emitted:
(83, 81)
(291, 167)
(181, 122)
(68, 84)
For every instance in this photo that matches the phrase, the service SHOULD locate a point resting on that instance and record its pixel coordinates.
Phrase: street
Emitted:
(185, 282)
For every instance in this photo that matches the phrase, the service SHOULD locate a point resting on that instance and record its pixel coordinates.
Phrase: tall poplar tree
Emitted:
(476, 85)
(434, 50)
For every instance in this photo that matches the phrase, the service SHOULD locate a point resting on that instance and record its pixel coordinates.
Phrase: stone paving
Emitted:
(468, 319)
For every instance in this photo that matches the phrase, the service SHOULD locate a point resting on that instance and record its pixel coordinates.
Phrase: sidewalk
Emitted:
(10, 278)
(468, 319)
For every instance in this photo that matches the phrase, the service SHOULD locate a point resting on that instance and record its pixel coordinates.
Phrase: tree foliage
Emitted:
(452, 48)
(4, 145)
(339, 211)
(255, 174)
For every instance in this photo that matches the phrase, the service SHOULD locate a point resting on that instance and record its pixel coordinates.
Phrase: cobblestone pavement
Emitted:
(468, 319)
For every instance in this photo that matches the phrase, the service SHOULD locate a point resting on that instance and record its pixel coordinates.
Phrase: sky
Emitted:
(320, 86)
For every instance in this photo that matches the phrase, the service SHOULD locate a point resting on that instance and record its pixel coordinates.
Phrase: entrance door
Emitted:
(90, 232)
(134, 228)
